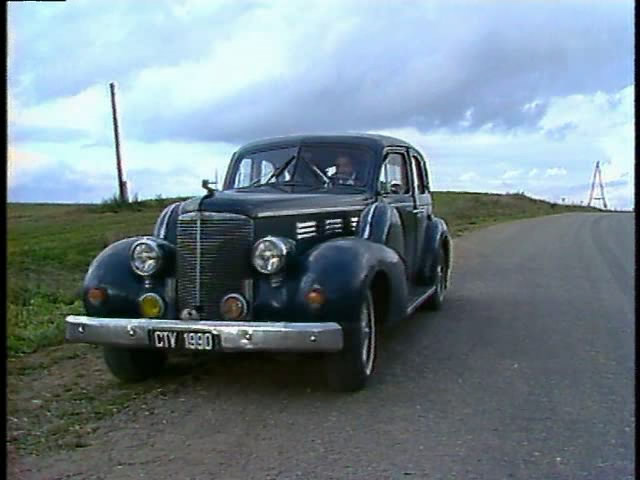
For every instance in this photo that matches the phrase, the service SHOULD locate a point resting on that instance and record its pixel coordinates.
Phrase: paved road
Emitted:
(526, 373)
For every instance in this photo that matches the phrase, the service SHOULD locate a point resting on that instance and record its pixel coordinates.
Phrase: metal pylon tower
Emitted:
(597, 172)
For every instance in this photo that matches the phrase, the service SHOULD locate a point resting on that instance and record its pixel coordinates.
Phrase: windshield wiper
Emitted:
(318, 172)
(258, 182)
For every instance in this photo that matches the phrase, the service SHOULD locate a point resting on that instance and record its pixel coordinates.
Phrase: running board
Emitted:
(418, 301)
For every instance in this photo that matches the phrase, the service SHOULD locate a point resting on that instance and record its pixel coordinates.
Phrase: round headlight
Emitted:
(145, 257)
(269, 254)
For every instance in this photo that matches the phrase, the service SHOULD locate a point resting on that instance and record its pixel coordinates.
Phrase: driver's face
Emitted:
(343, 165)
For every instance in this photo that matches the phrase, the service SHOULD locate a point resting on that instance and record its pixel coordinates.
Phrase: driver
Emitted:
(345, 174)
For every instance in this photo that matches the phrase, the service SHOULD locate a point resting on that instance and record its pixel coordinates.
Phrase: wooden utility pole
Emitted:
(122, 183)
(597, 172)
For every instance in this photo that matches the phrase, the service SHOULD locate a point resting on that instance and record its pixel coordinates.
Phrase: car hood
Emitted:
(267, 204)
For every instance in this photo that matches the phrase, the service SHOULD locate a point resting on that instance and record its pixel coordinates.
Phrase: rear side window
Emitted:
(421, 181)
(394, 175)
(425, 170)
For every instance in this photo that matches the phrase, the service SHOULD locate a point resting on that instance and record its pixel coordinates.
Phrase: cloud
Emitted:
(554, 172)
(20, 163)
(26, 133)
(72, 184)
(468, 176)
(86, 115)
(90, 42)
(353, 87)
(486, 88)
(602, 134)
(322, 66)
(560, 132)
(511, 174)
(166, 169)
(54, 186)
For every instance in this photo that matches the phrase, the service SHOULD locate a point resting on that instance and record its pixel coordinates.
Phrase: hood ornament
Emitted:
(211, 186)
(206, 184)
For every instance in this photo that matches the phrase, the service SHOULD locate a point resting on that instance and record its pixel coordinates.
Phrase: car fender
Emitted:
(166, 224)
(436, 236)
(380, 223)
(345, 268)
(111, 270)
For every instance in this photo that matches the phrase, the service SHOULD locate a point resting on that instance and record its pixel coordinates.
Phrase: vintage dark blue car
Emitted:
(313, 244)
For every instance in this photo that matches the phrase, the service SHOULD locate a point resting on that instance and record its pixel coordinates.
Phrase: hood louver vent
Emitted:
(306, 229)
(333, 226)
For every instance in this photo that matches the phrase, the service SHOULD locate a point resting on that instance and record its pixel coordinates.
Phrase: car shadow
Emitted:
(400, 347)
(253, 370)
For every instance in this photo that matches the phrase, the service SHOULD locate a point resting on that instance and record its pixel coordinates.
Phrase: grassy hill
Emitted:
(50, 247)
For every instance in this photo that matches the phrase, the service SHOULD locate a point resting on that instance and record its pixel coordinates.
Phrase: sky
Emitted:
(499, 96)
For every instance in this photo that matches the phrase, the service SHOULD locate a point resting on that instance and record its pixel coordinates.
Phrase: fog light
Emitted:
(151, 305)
(316, 297)
(233, 307)
(96, 295)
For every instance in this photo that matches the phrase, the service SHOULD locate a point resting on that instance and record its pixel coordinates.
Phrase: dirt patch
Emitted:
(57, 397)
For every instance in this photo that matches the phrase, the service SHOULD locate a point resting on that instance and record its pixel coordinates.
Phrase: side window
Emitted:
(251, 170)
(243, 177)
(394, 176)
(420, 175)
(426, 175)
(266, 169)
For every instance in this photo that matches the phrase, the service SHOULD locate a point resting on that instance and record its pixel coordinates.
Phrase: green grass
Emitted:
(49, 248)
(467, 211)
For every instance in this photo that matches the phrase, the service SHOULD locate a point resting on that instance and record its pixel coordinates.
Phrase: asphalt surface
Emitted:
(526, 373)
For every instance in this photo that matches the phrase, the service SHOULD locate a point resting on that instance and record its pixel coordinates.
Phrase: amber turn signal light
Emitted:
(233, 307)
(151, 305)
(316, 297)
(96, 295)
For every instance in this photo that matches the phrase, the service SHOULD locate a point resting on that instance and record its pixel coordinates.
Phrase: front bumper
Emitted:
(233, 336)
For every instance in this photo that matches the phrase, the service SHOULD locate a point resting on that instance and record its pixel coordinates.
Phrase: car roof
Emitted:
(377, 142)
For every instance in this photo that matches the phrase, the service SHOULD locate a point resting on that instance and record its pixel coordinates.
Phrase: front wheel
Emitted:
(349, 369)
(134, 365)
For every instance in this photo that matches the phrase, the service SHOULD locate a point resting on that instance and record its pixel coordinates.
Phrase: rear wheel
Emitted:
(134, 365)
(349, 369)
(436, 300)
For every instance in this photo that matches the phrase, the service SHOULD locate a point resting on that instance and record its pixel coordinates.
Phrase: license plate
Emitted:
(179, 340)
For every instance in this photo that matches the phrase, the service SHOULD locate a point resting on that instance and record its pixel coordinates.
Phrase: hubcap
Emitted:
(369, 335)
(440, 281)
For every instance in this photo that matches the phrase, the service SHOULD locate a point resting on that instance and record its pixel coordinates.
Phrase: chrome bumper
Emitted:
(233, 336)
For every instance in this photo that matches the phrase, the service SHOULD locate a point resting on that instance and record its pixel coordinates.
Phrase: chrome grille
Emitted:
(213, 260)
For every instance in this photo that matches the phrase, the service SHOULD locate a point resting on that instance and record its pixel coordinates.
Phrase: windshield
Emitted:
(312, 166)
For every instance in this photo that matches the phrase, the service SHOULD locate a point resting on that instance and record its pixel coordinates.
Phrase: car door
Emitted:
(395, 185)
(423, 204)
